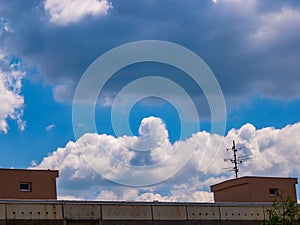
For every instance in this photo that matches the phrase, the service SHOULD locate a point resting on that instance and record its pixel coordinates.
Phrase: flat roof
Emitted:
(29, 170)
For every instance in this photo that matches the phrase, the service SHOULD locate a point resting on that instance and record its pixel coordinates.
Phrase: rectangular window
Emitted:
(25, 186)
(273, 192)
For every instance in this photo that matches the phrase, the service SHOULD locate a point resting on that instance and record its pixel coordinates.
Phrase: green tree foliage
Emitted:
(283, 212)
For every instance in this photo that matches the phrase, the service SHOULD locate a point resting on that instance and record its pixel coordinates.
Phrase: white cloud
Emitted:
(11, 101)
(275, 152)
(50, 127)
(69, 11)
(69, 197)
(276, 27)
(177, 195)
(69, 161)
(62, 92)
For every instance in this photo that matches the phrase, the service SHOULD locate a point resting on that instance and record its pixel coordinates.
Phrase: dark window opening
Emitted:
(273, 192)
(25, 186)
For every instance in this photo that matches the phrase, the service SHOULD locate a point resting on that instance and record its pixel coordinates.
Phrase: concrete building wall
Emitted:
(169, 212)
(126, 212)
(129, 213)
(77, 212)
(41, 184)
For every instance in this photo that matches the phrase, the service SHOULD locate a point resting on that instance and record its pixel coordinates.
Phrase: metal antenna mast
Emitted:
(235, 168)
(235, 160)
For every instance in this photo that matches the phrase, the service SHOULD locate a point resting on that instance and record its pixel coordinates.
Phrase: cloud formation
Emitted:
(11, 100)
(251, 47)
(63, 12)
(274, 27)
(274, 152)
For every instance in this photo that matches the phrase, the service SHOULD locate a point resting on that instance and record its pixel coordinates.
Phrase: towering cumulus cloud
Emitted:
(11, 102)
(271, 151)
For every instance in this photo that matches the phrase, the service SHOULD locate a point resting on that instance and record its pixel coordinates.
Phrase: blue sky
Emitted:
(252, 47)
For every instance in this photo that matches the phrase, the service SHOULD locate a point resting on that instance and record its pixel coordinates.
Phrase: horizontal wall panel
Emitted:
(82, 211)
(20, 211)
(126, 212)
(203, 213)
(169, 212)
(2, 212)
(241, 213)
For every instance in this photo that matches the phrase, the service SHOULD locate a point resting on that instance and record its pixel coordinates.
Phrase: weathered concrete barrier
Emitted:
(129, 213)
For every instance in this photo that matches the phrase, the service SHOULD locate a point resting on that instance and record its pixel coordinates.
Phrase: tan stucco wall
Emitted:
(253, 189)
(43, 184)
(259, 188)
(240, 193)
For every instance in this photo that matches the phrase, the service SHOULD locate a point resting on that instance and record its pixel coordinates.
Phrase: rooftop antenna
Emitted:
(236, 160)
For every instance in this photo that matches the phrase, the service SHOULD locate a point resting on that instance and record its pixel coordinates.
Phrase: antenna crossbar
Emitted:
(236, 160)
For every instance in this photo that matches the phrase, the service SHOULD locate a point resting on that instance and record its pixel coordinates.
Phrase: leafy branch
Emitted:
(283, 212)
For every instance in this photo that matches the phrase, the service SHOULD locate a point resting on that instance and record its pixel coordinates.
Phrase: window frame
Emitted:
(273, 192)
(29, 189)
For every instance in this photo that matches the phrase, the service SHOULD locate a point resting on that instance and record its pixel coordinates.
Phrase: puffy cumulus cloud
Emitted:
(11, 100)
(144, 195)
(64, 12)
(110, 156)
(273, 152)
(69, 161)
(155, 137)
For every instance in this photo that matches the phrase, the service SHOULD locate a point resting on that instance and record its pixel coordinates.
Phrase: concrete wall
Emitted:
(123, 213)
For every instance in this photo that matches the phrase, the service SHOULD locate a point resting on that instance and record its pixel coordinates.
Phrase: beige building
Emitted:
(254, 189)
(28, 184)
